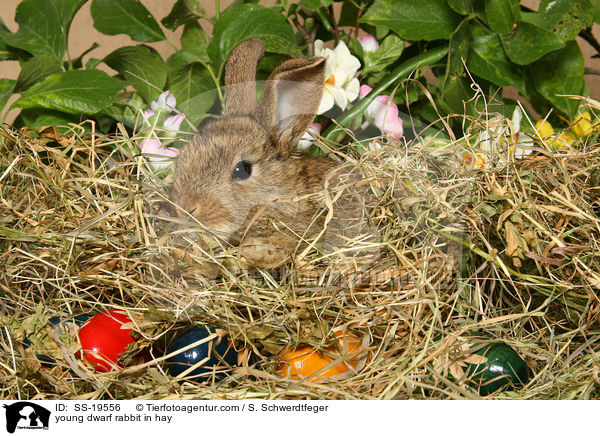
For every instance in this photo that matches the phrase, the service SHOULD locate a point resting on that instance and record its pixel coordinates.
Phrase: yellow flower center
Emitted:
(330, 81)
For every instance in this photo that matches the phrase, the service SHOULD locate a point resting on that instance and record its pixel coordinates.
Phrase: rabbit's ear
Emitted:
(240, 78)
(291, 99)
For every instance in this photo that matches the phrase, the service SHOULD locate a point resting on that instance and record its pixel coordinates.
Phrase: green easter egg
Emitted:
(495, 366)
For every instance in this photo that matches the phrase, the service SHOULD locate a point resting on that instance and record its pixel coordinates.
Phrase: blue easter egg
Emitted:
(44, 359)
(219, 354)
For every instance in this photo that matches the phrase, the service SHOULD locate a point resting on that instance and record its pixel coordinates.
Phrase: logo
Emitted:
(26, 415)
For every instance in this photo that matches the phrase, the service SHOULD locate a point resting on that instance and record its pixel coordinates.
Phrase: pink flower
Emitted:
(173, 122)
(307, 140)
(368, 42)
(383, 113)
(159, 156)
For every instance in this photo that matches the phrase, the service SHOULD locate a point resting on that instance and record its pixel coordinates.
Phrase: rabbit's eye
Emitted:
(242, 170)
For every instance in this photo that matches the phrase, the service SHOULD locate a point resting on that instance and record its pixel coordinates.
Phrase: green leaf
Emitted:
(487, 59)
(126, 109)
(463, 7)
(313, 5)
(414, 20)
(458, 50)
(126, 16)
(183, 12)
(182, 58)
(195, 40)
(194, 90)
(560, 72)
(72, 92)
(66, 11)
(456, 93)
(529, 42)
(566, 18)
(5, 51)
(388, 52)
(6, 91)
(349, 14)
(251, 21)
(40, 29)
(194, 46)
(38, 119)
(77, 62)
(140, 66)
(499, 14)
(92, 63)
(35, 70)
(43, 28)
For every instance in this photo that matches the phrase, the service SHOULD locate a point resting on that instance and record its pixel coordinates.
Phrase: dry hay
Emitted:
(511, 252)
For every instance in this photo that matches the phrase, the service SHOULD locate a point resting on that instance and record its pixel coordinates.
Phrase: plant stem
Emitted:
(217, 9)
(401, 72)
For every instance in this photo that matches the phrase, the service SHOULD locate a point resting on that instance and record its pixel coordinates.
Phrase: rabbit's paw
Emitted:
(268, 252)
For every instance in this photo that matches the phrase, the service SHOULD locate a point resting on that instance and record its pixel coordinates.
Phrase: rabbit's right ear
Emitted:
(291, 99)
(240, 78)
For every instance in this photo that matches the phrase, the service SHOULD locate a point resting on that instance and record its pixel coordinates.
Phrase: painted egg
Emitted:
(307, 363)
(104, 337)
(487, 366)
(203, 350)
(496, 366)
(74, 322)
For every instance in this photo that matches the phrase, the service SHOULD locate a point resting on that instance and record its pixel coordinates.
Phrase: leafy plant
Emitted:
(494, 43)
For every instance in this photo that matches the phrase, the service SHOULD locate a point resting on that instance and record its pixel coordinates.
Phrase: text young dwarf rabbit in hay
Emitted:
(242, 176)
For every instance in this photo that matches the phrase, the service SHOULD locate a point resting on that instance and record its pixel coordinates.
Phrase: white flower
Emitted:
(500, 142)
(341, 86)
(165, 100)
(368, 42)
(521, 143)
(307, 139)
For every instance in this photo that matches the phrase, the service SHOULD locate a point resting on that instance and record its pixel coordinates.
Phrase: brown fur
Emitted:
(263, 212)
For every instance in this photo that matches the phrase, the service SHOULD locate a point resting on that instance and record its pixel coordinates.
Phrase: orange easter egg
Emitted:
(306, 362)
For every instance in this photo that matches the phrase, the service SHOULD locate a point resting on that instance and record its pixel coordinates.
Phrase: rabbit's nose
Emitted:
(210, 211)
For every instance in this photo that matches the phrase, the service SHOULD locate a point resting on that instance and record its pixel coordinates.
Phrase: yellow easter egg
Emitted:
(564, 141)
(582, 125)
(544, 128)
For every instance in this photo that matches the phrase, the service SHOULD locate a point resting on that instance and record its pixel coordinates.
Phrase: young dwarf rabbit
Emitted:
(242, 176)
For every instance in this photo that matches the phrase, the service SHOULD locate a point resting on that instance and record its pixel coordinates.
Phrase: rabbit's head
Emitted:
(248, 157)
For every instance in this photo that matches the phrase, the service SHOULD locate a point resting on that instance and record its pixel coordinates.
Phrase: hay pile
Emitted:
(511, 252)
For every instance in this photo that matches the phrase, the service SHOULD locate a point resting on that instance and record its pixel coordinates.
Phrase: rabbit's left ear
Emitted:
(240, 78)
(291, 99)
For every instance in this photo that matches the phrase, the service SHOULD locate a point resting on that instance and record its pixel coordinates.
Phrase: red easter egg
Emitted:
(104, 337)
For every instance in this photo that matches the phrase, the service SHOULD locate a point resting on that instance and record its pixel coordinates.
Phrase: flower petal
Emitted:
(326, 102)
(352, 89)
(318, 45)
(368, 42)
(364, 90)
(339, 96)
(348, 64)
(307, 139)
(165, 100)
(516, 119)
(173, 122)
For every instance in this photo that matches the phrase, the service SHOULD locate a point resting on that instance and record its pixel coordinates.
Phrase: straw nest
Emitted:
(510, 252)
